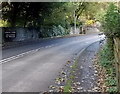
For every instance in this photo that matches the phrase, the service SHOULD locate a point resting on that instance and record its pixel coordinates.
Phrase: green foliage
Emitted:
(4, 23)
(78, 24)
(95, 10)
(25, 14)
(110, 81)
(112, 21)
(106, 59)
(58, 30)
(61, 30)
(67, 87)
(52, 31)
(112, 90)
(36, 14)
(111, 26)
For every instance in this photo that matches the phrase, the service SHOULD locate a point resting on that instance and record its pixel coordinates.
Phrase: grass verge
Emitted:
(106, 60)
(68, 86)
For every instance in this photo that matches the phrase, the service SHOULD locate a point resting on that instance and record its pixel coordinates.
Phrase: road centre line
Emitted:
(22, 54)
(32, 51)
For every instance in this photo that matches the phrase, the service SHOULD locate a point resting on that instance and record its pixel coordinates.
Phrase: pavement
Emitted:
(80, 72)
(33, 67)
(87, 74)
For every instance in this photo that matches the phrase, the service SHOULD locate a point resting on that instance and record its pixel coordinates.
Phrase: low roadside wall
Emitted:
(18, 34)
(10, 34)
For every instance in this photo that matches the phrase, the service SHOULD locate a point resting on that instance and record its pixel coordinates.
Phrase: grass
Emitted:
(75, 65)
(106, 59)
(68, 86)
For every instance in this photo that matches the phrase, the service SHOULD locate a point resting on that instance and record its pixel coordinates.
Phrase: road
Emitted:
(33, 67)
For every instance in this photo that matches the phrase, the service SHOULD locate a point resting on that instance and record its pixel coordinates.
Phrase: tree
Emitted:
(10, 12)
(112, 21)
(27, 13)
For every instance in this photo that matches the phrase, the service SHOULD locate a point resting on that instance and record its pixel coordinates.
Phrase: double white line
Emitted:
(17, 56)
(22, 54)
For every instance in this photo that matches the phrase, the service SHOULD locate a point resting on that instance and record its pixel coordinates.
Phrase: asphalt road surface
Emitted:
(33, 67)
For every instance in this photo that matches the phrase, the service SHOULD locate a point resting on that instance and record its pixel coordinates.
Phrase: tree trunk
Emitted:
(117, 60)
(74, 22)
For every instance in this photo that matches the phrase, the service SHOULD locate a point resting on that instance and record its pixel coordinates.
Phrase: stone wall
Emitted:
(25, 34)
(21, 34)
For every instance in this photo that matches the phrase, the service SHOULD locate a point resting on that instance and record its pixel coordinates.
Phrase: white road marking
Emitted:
(22, 54)
(17, 56)
(33, 51)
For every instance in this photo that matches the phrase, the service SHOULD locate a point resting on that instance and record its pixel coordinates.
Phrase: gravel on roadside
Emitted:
(84, 75)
